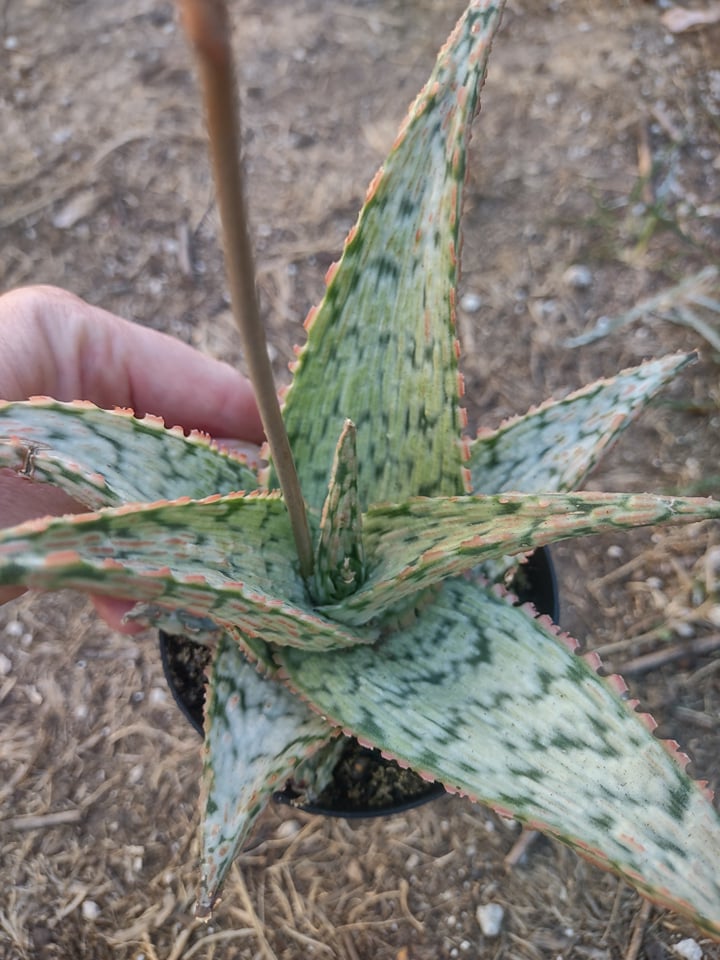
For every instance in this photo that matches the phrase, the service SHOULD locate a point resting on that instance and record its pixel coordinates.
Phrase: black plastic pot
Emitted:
(364, 783)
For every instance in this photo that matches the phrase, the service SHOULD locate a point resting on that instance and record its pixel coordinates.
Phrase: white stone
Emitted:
(689, 949)
(578, 276)
(288, 829)
(158, 696)
(470, 302)
(5, 665)
(490, 917)
(90, 910)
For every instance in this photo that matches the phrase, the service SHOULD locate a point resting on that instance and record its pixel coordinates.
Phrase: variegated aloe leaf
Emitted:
(554, 447)
(381, 347)
(415, 544)
(316, 771)
(105, 458)
(256, 734)
(340, 558)
(228, 558)
(491, 702)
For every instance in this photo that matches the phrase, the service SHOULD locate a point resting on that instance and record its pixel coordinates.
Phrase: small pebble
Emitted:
(490, 917)
(5, 665)
(158, 696)
(470, 302)
(136, 774)
(90, 910)
(578, 276)
(689, 949)
(714, 615)
(288, 829)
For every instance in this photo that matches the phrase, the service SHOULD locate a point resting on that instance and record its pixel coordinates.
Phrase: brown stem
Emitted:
(207, 25)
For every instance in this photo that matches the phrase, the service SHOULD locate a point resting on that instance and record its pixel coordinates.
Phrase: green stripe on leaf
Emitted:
(413, 545)
(104, 458)
(553, 447)
(381, 348)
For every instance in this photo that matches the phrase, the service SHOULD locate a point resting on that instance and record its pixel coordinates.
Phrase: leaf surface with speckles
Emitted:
(340, 557)
(256, 734)
(413, 545)
(381, 348)
(554, 447)
(481, 696)
(227, 558)
(105, 458)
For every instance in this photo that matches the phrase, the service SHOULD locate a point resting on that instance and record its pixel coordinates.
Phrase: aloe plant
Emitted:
(390, 627)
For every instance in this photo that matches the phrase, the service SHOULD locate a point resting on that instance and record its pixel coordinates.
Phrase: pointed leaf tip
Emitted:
(389, 304)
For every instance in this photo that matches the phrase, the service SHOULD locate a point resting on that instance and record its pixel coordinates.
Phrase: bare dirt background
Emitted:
(598, 146)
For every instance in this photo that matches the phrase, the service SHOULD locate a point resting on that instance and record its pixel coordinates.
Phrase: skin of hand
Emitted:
(54, 344)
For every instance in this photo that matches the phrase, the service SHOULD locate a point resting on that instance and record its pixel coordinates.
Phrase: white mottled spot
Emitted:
(5, 665)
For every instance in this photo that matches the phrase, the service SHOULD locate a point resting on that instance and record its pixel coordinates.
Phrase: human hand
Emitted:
(54, 344)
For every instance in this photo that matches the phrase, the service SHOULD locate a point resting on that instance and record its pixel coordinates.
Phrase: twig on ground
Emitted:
(697, 717)
(43, 821)
(671, 305)
(404, 906)
(349, 946)
(641, 920)
(256, 925)
(699, 646)
(219, 937)
(678, 19)
(614, 912)
(178, 947)
(520, 848)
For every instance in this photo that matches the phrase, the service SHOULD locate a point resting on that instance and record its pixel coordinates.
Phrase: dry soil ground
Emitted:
(597, 150)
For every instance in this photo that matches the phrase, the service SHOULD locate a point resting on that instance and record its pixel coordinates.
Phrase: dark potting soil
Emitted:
(365, 784)
(363, 780)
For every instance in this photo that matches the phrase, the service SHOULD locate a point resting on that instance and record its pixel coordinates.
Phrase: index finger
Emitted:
(52, 343)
